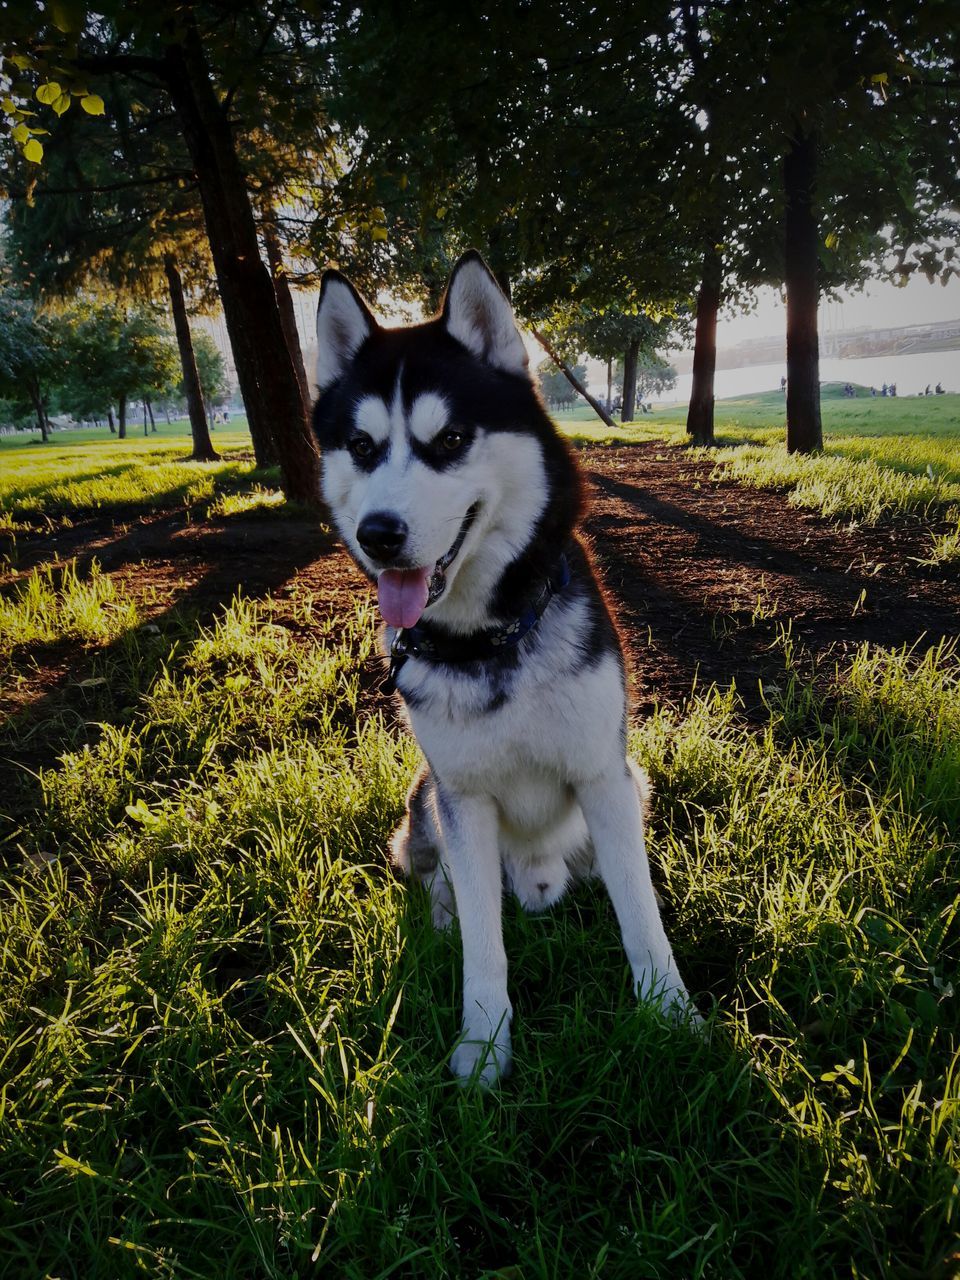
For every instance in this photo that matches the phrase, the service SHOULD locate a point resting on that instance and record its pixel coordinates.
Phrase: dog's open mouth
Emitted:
(404, 593)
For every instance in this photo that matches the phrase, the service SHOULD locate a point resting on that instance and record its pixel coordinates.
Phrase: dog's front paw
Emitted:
(671, 996)
(483, 1062)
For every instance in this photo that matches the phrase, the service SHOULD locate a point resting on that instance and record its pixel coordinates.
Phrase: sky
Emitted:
(879, 306)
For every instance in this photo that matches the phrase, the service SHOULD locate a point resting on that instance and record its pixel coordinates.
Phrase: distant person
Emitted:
(883, 389)
(927, 392)
(893, 388)
(873, 392)
(783, 385)
(226, 415)
(940, 390)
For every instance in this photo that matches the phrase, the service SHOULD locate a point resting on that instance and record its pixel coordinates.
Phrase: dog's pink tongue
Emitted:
(403, 595)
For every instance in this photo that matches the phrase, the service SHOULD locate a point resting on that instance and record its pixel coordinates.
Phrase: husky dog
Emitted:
(455, 494)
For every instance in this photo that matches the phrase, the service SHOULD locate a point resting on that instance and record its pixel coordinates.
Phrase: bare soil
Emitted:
(702, 573)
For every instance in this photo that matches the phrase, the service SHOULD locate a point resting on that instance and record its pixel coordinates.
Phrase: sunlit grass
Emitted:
(54, 603)
(80, 477)
(861, 489)
(256, 499)
(225, 1023)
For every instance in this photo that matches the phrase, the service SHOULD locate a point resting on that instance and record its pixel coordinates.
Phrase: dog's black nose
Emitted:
(382, 535)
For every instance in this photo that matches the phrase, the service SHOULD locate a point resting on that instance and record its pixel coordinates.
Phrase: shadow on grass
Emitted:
(101, 685)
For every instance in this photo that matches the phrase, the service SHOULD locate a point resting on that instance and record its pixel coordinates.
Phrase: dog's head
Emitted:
(436, 448)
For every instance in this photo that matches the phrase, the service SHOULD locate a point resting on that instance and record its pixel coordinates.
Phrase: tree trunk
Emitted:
(166, 413)
(281, 288)
(38, 408)
(153, 424)
(113, 429)
(122, 418)
(804, 427)
(630, 358)
(203, 450)
(574, 381)
(700, 409)
(143, 405)
(268, 381)
(610, 385)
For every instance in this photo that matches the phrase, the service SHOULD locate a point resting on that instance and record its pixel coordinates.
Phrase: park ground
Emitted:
(224, 1019)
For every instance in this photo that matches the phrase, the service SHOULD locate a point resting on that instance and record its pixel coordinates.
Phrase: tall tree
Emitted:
(852, 106)
(216, 74)
(30, 360)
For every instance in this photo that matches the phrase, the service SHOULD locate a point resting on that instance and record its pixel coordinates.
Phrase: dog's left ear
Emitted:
(344, 323)
(476, 313)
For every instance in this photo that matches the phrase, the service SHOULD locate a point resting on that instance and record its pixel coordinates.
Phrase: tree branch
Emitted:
(120, 64)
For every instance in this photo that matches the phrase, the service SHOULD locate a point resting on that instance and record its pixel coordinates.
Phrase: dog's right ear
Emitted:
(344, 323)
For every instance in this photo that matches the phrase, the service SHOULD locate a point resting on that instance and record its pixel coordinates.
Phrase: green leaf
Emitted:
(33, 151)
(378, 233)
(67, 15)
(9, 106)
(92, 104)
(927, 1007)
(21, 133)
(832, 240)
(61, 104)
(49, 92)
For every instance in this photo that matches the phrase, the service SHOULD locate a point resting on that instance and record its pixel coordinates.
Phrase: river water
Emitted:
(910, 373)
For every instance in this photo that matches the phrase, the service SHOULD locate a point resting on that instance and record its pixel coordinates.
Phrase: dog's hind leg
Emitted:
(416, 848)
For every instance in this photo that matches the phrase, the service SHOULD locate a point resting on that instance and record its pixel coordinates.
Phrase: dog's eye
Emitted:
(361, 446)
(450, 441)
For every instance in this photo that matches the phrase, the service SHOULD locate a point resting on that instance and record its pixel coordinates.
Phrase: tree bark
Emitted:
(268, 381)
(281, 288)
(631, 356)
(610, 385)
(113, 429)
(203, 450)
(144, 407)
(153, 423)
(38, 408)
(574, 381)
(804, 426)
(700, 409)
(122, 418)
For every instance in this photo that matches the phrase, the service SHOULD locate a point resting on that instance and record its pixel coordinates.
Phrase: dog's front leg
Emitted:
(469, 828)
(612, 809)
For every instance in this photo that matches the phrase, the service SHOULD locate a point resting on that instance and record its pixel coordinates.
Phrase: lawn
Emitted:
(225, 1022)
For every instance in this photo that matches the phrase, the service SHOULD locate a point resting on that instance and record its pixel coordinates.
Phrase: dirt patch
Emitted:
(705, 572)
(702, 572)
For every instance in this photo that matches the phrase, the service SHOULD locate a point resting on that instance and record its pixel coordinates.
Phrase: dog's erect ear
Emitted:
(476, 313)
(344, 323)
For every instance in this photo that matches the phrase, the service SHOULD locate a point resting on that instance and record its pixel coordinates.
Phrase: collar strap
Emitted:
(421, 641)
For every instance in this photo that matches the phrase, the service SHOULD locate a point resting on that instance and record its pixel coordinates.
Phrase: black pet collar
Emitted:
(421, 642)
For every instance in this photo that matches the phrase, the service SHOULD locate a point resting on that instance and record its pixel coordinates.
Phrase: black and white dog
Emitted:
(454, 492)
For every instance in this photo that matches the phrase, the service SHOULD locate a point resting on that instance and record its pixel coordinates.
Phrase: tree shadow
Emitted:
(98, 684)
(687, 586)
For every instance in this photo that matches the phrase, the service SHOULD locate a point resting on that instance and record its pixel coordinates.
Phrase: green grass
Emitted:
(224, 1022)
(55, 604)
(762, 417)
(78, 473)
